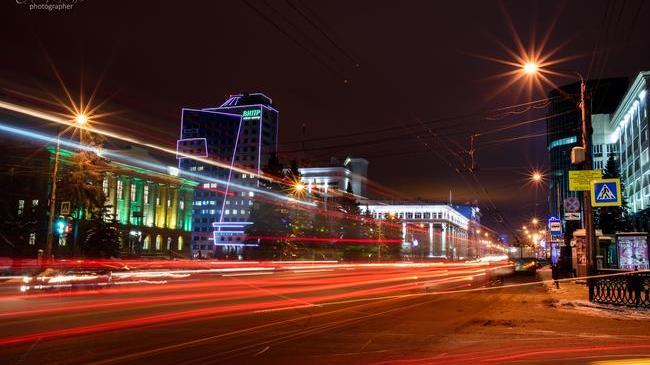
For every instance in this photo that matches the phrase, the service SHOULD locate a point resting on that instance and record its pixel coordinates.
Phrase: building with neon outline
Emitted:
(242, 132)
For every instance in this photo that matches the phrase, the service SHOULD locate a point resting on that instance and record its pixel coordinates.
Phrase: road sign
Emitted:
(555, 226)
(571, 204)
(65, 208)
(580, 180)
(572, 216)
(606, 193)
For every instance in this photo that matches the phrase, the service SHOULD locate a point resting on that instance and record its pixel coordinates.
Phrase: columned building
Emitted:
(228, 146)
(143, 194)
(429, 230)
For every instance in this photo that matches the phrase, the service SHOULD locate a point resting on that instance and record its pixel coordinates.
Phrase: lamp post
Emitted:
(532, 69)
(50, 226)
(80, 119)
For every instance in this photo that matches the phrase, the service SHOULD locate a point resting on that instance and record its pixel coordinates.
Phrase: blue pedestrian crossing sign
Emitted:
(606, 193)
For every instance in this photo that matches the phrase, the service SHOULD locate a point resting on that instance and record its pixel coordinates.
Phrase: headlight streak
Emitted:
(248, 308)
(387, 285)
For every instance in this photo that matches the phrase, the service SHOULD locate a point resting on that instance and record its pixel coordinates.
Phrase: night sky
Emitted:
(414, 76)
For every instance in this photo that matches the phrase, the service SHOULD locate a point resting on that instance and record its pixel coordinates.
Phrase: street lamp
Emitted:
(586, 161)
(536, 177)
(530, 68)
(81, 118)
(534, 221)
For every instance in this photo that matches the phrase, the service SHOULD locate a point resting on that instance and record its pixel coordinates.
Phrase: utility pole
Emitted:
(471, 151)
(50, 227)
(586, 133)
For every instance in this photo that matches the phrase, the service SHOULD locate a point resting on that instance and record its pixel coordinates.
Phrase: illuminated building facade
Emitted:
(241, 133)
(564, 131)
(351, 174)
(144, 195)
(430, 230)
(628, 130)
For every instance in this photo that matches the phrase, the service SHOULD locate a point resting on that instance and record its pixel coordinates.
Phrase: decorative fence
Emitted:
(630, 289)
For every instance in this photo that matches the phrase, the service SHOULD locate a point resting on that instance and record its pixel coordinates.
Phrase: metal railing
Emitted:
(630, 289)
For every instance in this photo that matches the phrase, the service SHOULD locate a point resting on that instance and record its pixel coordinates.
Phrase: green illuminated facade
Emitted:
(154, 209)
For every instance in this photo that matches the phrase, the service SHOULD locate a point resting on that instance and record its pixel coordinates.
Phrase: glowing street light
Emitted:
(530, 68)
(534, 221)
(81, 118)
(536, 177)
(299, 187)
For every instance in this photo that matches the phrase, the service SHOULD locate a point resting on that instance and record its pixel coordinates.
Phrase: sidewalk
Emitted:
(574, 296)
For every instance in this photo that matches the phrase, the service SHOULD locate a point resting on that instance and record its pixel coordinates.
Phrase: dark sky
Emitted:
(419, 62)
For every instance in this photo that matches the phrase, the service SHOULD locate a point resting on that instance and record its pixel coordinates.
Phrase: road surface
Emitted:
(310, 313)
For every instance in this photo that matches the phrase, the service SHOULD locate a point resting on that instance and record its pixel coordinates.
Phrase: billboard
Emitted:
(632, 252)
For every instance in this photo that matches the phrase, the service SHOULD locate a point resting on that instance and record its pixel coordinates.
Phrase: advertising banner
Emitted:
(632, 252)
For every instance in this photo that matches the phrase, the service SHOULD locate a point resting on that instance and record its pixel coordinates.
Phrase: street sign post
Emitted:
(65, 208)
(580, 180)
(606, 193)
(572, 216)
(555, 226)
(571, 204)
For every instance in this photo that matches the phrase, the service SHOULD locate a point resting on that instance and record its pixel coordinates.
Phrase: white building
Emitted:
(352, 173)
(429, 230)
(628, 131)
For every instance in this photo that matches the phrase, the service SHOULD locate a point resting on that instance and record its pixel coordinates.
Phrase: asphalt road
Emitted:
(318, 314)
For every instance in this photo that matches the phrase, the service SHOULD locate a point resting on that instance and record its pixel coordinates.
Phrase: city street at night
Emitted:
(324, 182)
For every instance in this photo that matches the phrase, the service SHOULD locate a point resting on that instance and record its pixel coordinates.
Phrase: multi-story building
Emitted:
(229, 145)
(564, 131)
(628, 132)
(144, 195)
(429, 230)
(349, 175)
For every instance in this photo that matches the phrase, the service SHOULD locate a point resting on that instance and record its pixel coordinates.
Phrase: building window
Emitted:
(35, 203)
(105, 185)
(32, 239)
(21, 206)
(145, 192)
(147, 242)
(158, 242)
(133, 191)
(181, 204)
(120, 189)
(180, 243)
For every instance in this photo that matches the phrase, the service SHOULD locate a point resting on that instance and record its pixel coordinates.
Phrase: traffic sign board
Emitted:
(571, 204)
(572, 216)
(580, 180)
(555, 226)
(606, 193)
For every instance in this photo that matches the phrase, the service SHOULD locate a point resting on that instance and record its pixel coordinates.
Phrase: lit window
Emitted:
(120, 189)
(251, 194)
(242, 212)
(206, 185)
(200, 168)
(133, 191)
(227, 211)
(105, 185)
(21, 206)
(213, 185)
(181, 204)
(35, 203)
(169, 201)
(146, 194)
(32, 238)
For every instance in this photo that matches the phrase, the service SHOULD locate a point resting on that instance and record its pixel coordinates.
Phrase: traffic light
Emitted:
(61, 226)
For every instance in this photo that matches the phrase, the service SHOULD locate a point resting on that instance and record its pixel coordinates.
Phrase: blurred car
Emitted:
(51, 279)
(526, 265)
